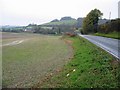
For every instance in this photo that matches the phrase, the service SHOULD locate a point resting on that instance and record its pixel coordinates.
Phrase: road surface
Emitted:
(108, 44)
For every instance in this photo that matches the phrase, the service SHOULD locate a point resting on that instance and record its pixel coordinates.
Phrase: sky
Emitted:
(24, 12)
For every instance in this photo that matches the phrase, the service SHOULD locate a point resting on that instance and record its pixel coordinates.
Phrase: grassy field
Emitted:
(29, 62)
(115, 35)
(91, 67)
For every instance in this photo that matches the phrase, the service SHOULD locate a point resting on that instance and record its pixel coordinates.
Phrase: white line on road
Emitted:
(106, 48)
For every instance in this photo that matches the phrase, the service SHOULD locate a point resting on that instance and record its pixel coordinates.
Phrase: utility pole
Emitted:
(119, 9)
(109, 15)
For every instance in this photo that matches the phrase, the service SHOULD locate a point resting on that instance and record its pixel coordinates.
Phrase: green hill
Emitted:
(63, 22)
(68, 21)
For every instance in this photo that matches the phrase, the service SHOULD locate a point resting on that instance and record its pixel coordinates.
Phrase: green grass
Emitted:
(27, 63)
(64, 22)
(94, 68)
(115, 35)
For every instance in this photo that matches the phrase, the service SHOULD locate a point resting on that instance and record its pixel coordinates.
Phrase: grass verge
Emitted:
(91, 67)
(115, 35)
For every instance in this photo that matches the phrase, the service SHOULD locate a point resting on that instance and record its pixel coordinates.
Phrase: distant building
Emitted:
(119, 9)
(29, 29)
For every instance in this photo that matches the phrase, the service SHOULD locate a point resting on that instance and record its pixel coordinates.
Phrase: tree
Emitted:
(37, 29)
(111, 26)
(90, 22)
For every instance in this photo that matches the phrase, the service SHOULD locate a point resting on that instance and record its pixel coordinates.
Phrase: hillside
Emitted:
(63, 22)
(70, 22)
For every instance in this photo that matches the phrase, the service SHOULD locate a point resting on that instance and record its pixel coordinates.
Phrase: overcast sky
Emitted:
(23, 12)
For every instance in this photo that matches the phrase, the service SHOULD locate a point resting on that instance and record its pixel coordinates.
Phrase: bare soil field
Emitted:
(30, 61)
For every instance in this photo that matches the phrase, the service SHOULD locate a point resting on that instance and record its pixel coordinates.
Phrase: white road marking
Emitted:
(108, 44)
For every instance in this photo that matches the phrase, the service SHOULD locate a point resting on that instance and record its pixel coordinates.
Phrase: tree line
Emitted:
(91, 25)
(110, 26)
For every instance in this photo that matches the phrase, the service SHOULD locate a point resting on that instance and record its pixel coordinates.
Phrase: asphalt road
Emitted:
(108, 44)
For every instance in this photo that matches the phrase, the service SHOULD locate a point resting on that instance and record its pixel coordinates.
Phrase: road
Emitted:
(108, 44)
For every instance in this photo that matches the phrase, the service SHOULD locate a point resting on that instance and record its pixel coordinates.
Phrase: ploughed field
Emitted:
(28, 58)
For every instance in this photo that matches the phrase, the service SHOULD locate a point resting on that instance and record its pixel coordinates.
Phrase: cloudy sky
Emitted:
(23, 12)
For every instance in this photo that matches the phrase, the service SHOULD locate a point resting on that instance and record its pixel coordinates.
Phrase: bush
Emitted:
(111, 26)
(70, 34)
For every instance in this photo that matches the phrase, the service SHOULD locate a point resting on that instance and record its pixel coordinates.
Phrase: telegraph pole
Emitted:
(109, 15)
(119, 9)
